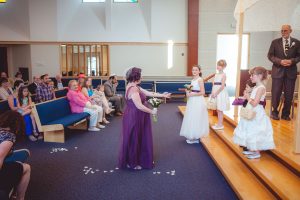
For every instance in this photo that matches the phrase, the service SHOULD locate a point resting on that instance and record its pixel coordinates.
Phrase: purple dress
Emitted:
(136, 140)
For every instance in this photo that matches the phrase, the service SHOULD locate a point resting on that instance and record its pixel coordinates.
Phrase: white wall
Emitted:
(71, 20)
(14, 20)
(152, 59)
(148, 21)
(43, 20)
(216, 16)
(45, 59)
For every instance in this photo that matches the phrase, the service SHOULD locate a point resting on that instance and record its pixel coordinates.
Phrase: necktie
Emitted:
(286, 47)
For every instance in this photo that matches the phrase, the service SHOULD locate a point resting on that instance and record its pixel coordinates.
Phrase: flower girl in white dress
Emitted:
(195, 120)
(255, 134)
(219, 91)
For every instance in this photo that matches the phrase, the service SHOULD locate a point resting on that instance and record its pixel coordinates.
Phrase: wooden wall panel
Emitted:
(193, 30)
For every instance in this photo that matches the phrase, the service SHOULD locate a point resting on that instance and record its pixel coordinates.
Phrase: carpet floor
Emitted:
(85, 166)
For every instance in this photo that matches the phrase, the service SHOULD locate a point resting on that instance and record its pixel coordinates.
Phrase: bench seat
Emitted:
(52, 117)
(70, 119)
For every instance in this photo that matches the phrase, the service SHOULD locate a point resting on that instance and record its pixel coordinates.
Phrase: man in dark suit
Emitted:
(32, 87)
(284, 53)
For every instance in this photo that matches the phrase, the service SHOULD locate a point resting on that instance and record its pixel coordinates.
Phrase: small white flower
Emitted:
(293, 44)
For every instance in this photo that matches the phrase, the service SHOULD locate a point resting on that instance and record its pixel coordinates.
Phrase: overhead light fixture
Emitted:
(2, 1)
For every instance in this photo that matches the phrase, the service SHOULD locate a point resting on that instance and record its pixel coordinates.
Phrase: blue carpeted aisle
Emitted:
(67, 175)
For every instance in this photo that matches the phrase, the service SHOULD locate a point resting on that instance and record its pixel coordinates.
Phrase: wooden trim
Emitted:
(37, 118)
(108, 59)
(73, 67)
(297, 130)
(78, 54)
(84, 60)
(97, 61)
(89, 43)
(53, 127)
(50, 100)
(193, 36)
(90, 59)
(67, 67)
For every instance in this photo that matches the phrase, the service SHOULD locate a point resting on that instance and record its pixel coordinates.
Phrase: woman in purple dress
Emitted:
(136, 151)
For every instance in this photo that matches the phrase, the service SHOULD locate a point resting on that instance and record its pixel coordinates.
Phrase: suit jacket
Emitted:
(109, 89)
(276, 54)
(32, 88)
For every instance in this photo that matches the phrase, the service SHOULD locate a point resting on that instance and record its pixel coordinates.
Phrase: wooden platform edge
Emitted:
(255, 189)
(277, 191)
(243, 182)
(292, 165)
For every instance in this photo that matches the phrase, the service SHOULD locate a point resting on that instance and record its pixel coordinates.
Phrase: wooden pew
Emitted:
(52, 117)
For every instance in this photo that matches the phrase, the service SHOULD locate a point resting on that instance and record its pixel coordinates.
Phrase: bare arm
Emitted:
(4, 150)
(223, 81)
(134, 94)
(84, 92)
(10, 101)
(254, 102)
(155, 94)
(202, 90)
(19, 105)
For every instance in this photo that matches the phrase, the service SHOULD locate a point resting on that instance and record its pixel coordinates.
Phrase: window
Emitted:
(93, 1)
(227, 48)
(125, 1)
(91, 59)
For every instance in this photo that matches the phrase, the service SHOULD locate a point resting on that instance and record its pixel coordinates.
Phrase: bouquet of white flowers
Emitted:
(155, 102)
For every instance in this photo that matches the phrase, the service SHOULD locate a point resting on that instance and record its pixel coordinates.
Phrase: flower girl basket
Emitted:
(212, 103)
(247, 112)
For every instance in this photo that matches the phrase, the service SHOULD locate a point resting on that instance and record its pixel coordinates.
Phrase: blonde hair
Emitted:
(71, 82)
(259, 71)
(222, 63)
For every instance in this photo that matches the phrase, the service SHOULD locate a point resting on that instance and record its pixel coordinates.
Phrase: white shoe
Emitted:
(101, 126)
(248, 152)
(254, 156)
(94, 129)
(192, 141)
(216, 127)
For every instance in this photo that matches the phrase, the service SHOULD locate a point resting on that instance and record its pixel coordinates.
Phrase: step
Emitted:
(241, 179)
(284, 143)
(280, 179)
